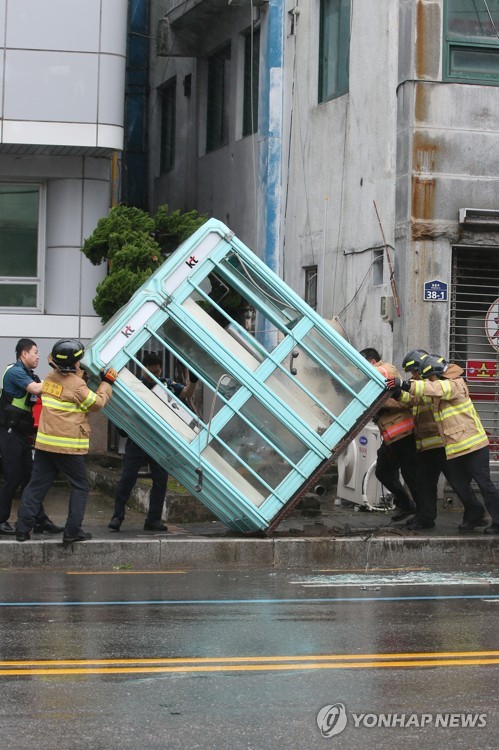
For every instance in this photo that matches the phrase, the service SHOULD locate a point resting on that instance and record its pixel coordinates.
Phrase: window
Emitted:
(20, 258)
(251, 72)
(310, 295)
(334, 47)
(471, 49)
(217, 126)
(377, 266)
(168, 110)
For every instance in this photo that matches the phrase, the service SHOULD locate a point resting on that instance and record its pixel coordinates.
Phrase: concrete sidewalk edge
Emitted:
(219, 554)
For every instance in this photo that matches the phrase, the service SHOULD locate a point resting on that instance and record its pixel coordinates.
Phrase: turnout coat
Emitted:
(458, 423)
(394, 420)
(66, 401)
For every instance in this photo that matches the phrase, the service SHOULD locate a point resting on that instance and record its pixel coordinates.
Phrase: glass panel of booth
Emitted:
(313, 376)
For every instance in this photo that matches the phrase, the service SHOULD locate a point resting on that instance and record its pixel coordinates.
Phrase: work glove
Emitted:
(397, 384)
(109, 375)
(193, 378)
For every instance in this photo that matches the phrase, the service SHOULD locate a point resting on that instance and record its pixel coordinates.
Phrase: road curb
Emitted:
(219, 554)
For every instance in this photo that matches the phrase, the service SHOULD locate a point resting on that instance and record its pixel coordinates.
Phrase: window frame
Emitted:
(455, 41)
(251, 75)
(39, 279)
(311, 282)
(218, 119)
(168, 94)
(342, 82)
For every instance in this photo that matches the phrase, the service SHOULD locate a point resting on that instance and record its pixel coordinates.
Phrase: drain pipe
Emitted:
(270, 153)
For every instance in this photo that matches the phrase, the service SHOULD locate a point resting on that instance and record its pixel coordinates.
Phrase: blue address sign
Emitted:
(435, 291)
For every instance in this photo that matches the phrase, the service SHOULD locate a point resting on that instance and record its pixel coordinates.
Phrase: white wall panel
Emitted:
(2, 23)
(110, 136)
(114, 18)
(39, 327)
(62, 281)
(97, 168)
(63, 213)
(91, 276)
(56, 86)
(96, 203)
(90, 326)
(49, 133)
(111, 87)
(54, 24)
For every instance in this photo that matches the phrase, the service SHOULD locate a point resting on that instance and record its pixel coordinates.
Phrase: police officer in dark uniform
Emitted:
(135, 457)
(20, 390)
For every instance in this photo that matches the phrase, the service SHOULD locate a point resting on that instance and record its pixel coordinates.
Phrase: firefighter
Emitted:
(397, 452)
(20, 390)
(430, 446)
(62, 439)
(466, 443)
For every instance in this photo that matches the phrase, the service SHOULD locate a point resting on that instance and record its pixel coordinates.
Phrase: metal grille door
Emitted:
(474, 331)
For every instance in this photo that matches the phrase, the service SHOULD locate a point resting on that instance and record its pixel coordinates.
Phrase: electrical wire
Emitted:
(491, 19)
(361, 283)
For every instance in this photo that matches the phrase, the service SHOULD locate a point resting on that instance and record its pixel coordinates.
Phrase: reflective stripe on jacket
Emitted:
(66, 401)
(454, 413)
(23, 402)
(426, 430)
(394, 420)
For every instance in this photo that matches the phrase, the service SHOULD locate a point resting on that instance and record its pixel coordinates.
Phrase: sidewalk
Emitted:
(339, 538)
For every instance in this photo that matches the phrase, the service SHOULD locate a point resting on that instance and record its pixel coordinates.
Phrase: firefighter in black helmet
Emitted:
(63, 438)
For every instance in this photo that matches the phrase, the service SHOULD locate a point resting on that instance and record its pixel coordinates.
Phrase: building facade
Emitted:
(62, 86)
(355, 147)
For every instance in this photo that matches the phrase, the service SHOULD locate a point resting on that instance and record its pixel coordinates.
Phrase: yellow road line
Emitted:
(124, 572)
(319, 661)
(252, 667)
(239, 659)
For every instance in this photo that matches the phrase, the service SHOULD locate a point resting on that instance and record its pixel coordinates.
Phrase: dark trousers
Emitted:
(17, 464)
(46, 467)
(433, 462)
(401, 456)
(461, 471)
(133, 459)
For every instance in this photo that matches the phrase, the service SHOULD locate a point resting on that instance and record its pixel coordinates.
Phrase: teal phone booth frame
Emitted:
(284, 392)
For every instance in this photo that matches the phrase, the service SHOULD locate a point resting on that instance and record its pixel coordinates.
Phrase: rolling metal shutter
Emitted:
(474, 332)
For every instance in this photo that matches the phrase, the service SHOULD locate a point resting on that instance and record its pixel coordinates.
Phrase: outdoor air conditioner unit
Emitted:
(357, 482)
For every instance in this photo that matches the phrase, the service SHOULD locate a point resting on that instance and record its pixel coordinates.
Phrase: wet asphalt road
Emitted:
(247, 660)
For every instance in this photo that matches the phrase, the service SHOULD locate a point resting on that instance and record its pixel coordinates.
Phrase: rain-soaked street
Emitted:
(176, 659)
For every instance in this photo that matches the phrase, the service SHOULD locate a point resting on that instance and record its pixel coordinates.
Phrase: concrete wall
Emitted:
(419, 147)
(222, 183)
(342, 158)
(447, 159)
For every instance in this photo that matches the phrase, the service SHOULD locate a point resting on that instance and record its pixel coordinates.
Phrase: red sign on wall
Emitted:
(481, 370)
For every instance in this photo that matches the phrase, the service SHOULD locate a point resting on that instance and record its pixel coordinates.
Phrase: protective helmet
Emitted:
(433, 364)
(412, 361)
(66, 353)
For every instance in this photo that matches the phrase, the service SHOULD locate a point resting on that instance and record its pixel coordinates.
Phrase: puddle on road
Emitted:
(402, 578)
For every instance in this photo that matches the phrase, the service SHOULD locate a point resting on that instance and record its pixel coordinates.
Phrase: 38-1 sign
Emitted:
(435, 291)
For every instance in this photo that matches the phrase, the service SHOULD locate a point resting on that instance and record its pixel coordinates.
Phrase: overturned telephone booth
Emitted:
(283, 391)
